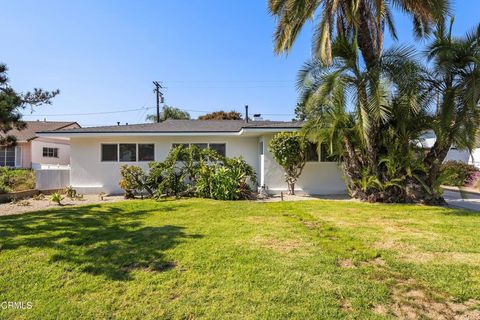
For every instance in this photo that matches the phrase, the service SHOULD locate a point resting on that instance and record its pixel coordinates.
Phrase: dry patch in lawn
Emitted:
(410, 253)
(280, 245)
(265, 220)
(346, 263)
(411, 302)
(442, 257)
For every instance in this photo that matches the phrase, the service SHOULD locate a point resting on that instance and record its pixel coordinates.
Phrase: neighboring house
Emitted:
(32, 151)
(428, 138)
(97, 153)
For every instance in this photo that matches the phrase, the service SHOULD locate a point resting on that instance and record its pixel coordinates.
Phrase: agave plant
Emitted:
(57, 198)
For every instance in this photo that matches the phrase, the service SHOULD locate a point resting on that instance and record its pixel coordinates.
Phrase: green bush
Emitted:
(190, 171)
(227, 180)
(133, 180)
(16, 180)
(289, 149)
(458, 173)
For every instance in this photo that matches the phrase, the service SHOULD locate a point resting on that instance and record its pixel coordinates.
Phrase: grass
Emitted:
(189, 259)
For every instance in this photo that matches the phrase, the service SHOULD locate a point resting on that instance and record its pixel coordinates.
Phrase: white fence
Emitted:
(52, 179)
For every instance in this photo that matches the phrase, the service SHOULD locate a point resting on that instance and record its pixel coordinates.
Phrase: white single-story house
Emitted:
(428, 138)
(32, 151)
(97, 153)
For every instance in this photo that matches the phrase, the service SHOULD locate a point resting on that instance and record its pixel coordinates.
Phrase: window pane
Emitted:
(185, 145)
(201, 146)
(109, 152)
(10, 157)
(323, 153)
(312, 152)
(3, 150)
(128, 152)
(146, 152)
(219, 147)
(50, 152)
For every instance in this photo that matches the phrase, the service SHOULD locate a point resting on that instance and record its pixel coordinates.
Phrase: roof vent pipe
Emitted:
(246, 113)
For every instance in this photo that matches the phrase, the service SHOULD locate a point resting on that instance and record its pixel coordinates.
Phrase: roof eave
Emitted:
(242, 131)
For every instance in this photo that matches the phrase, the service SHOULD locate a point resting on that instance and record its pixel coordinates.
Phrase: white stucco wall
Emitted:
(317, 177)
(464, 156)
(89, 175)
(36, 151)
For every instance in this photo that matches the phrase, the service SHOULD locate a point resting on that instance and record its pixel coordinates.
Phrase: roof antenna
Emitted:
(246, 113)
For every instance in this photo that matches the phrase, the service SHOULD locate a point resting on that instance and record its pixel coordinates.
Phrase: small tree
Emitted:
(13, 102)
(289, 150)
(169, 112)
(221, 115)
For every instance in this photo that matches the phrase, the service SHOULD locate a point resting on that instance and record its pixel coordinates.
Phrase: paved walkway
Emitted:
(468, 201)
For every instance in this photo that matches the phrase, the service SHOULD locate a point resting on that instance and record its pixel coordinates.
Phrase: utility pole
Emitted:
(157, 89)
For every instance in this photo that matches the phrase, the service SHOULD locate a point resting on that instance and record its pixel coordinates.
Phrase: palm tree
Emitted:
(398, 94)
(363, 20)
(362, 23)
(342, 99)
(456, 79)
(169, 112)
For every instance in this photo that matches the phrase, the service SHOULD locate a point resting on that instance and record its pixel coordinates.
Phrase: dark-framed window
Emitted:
(146, 152)
(109, 152)
(128, 152)
(201, 146)
(220, 148)
(312, 152)
(7, 156)
(50, 152)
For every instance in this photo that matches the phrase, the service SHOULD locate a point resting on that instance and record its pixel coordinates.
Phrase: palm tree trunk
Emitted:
(365, 39)
(434, 160)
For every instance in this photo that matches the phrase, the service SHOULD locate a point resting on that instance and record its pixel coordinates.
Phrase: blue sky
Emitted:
(210, 55)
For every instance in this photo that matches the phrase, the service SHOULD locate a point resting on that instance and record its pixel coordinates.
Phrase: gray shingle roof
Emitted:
(172, 126)
(34, 126)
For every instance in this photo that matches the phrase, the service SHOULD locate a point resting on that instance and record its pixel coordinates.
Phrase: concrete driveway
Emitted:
(469, 200)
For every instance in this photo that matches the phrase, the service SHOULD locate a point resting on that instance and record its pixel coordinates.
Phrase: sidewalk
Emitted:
(466, 198)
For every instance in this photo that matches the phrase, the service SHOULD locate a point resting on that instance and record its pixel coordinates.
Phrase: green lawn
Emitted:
(188, 259)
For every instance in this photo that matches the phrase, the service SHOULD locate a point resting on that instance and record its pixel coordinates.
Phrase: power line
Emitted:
(144, 109)
(227, 87)
(84, 114)
(229, 81)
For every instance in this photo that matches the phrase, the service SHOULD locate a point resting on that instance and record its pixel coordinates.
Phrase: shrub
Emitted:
(133, 181)
(289, 150)
(190, 171)
(16, 180)
(229, 180)
(459, 174)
